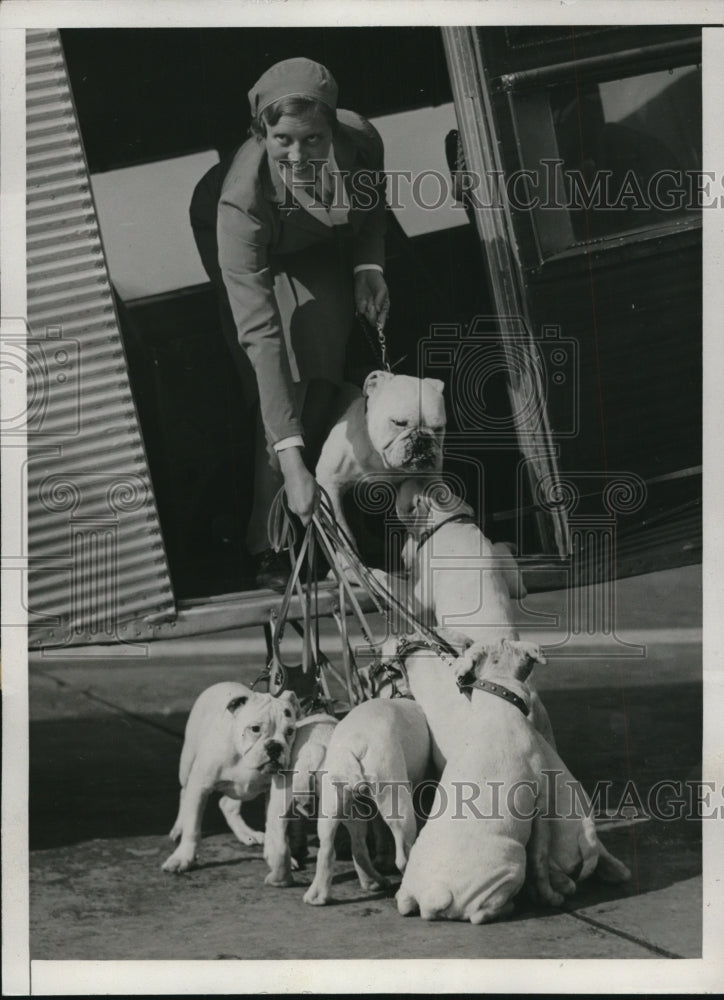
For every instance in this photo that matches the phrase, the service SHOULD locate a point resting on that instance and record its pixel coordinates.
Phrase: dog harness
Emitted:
(496, 689)
(385, 673)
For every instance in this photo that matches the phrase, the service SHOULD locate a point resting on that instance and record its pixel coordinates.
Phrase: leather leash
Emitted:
(323, 534)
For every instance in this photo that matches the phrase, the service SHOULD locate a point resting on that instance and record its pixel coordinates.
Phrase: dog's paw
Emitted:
(560, 882)
(279, 881)
(379, 884)
(486, 914)
(179, 861)
(316, 895)
(250, 837)
(542, 893)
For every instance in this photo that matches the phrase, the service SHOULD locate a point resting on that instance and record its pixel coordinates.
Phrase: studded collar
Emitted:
(492, 687)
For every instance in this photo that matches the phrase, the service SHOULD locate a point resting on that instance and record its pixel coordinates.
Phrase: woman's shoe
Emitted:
(272, 570)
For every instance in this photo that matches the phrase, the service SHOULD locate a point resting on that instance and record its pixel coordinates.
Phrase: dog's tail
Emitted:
(348, 779)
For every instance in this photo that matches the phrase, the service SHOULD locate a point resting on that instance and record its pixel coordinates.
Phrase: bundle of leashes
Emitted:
(324, 537)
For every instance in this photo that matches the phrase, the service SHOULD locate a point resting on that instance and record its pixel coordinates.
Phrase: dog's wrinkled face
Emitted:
(406, 420)
(424, 502)
(506, 658)
(264, 729)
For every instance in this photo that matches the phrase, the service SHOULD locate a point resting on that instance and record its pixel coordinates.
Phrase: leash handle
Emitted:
(383, 347)
(380, 347)
(383, 599)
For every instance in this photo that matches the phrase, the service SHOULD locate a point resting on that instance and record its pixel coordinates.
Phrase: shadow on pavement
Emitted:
(113, 776)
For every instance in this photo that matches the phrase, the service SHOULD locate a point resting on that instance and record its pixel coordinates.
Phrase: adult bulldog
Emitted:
(395, 425)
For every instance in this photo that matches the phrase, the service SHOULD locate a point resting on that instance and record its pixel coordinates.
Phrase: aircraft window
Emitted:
(612, 156)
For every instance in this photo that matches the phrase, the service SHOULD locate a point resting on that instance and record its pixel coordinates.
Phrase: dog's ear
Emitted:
(440, 500)
(410, 495)
(292, 701)
(526, 654)
(374, 381)
(236, 703)
(469, 665)
(435, 383)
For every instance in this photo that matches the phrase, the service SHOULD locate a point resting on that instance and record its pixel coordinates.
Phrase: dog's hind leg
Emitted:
(383, 854)
(394, 801)
(538, 874)
(369, 878)
(177, 829)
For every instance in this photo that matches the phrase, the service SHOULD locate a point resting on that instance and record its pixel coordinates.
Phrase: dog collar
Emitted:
(427, 535)
(496, 689)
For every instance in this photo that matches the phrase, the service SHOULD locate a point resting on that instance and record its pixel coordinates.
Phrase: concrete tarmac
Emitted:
(105, 735)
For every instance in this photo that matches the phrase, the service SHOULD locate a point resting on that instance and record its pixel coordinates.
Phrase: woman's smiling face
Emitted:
(295, 142)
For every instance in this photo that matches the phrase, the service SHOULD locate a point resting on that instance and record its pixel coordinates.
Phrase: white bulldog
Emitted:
(379, 751)
(235, 740)
(457, 580)
(457, 577)
(493, 799)
(396, 424)
(432, 685)
(292, 798)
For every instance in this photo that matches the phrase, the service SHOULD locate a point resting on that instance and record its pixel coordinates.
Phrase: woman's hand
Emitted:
(300, 484)
(371, 296)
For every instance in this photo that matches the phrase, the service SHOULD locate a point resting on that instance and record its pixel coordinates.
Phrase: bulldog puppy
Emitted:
(470, 858)
(432, 685)
(379, 751)
(457, 579)
(450, 715)
(573, 850)
(493, 812)
(292, 799)
(396, 424)
(235, 740)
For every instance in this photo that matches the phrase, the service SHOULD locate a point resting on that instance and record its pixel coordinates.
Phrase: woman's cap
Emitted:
(293, 78)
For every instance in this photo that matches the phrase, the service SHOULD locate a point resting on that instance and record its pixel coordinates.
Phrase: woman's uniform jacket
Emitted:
(289, 276)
